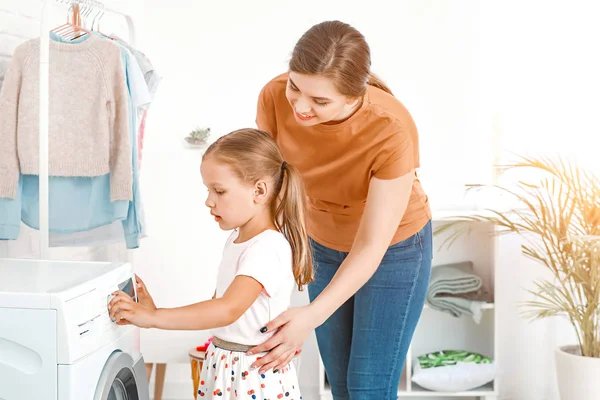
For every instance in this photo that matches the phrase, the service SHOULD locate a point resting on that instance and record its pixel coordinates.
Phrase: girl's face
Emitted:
(316, 100)
(232, 202)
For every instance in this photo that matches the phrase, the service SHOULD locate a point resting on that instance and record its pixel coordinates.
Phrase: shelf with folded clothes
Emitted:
(462, 277)
(462, 288)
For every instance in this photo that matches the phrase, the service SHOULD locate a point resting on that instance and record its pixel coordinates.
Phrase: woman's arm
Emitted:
(209, 314)
(386, 203)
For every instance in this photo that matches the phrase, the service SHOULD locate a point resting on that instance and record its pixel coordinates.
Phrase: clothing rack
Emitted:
(44, 226)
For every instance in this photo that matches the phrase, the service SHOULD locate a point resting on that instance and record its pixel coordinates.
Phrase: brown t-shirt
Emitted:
(337, 161)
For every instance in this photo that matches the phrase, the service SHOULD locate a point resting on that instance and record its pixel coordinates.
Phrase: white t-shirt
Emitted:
(267, 258)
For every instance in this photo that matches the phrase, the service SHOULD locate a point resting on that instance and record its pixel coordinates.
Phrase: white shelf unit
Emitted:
(441, 331)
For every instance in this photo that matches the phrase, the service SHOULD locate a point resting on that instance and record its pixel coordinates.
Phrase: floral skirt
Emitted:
(227, 375)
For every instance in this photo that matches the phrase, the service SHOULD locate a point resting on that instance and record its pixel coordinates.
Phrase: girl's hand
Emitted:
(126, 311)
(144, 297)
(293, 326)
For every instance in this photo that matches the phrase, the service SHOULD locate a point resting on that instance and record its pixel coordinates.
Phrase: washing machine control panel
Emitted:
(86, 325)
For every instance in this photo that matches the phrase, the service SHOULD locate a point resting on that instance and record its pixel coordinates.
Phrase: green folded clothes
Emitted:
(451, 357)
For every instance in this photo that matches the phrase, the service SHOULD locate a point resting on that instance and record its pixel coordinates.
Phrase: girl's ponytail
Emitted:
(290, 217)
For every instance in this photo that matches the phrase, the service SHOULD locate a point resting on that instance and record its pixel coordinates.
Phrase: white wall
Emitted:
(217, 55)
(544, 75)
(18, 22)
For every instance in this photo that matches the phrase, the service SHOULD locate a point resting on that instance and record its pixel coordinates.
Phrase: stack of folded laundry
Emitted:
(457, 290)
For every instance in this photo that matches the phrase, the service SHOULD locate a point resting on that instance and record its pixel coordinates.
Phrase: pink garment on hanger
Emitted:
(141, 137)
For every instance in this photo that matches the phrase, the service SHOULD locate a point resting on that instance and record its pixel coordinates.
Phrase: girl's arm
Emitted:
(216, 313)
(386, 203)
(209, 314)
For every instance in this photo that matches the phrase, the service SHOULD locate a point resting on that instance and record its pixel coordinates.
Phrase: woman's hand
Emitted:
(144, 297)
(293, 326)
(126, 311)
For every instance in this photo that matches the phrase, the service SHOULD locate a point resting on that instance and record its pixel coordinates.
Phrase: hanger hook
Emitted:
(86, 8)
(93, 7)
(101, 14)
(86, 12)
(94, 12)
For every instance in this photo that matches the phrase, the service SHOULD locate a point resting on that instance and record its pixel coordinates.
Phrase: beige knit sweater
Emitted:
(89, 121)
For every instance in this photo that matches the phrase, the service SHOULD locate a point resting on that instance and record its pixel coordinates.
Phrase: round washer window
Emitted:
(124, 386)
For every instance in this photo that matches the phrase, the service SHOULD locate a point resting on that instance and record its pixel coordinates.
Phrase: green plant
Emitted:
(558, 216)
(198, 135)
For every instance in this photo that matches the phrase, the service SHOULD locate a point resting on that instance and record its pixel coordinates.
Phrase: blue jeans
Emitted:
(364, 343)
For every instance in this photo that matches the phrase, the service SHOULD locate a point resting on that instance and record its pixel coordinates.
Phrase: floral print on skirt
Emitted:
(227, 375)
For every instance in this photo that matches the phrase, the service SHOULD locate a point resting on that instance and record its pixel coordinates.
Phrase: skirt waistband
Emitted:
(230, 346)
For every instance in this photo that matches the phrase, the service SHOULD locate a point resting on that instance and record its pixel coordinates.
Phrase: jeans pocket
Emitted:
(405, 250)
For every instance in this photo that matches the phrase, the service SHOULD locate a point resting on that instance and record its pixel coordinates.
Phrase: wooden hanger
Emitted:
(73, 28)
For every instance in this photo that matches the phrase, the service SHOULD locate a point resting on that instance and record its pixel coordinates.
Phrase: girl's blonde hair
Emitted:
(254, 155)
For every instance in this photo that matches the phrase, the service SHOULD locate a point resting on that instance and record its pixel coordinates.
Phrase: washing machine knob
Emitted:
(108, 299)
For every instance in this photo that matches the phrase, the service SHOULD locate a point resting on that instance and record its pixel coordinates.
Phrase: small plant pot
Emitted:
(191, 143)
(197, 139)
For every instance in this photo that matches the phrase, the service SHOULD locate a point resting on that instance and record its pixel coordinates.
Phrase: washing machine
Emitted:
(57, 341)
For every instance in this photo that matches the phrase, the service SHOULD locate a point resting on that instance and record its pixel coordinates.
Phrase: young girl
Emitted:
(255, 193)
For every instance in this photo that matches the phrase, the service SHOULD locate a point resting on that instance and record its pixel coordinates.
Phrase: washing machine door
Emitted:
(119, 380)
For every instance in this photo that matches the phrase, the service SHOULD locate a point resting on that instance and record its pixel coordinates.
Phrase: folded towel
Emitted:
(452, 289)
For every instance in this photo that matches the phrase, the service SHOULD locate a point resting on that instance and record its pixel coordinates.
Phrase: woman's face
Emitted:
(316, 100)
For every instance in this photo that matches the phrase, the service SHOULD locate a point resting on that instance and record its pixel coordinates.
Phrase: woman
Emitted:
(357, 149)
